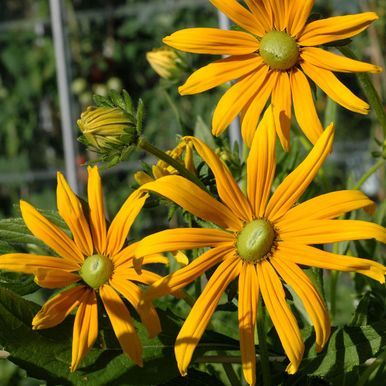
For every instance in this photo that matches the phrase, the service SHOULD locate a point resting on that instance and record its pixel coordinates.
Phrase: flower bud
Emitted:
(165, 62)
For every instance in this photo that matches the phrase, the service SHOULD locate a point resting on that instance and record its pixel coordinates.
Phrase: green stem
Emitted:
(369, 89)
(173, 107)
(333, 286)
(261, 334)
(369, 172)
(143, 144)
(330, 112)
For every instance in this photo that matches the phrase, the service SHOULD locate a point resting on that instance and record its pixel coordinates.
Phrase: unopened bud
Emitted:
(164, 61)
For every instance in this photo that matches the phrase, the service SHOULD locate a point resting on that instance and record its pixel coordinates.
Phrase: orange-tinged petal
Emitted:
(50, 234)
(145, 309)
(122, 323)
(70, 209)
(187, 274)
(247, 310)
(227, 188)
(120, 226)
(329, 61)
(48, 278)
(335, 28)
(307, 293)
(124, 256)
(195, 200)
(281, 315)
(282, 104)
(280, 12)
(314, 257)
(294, 185)
(55, 310)
(195, 324)
(326, 206)
(144, 277)
(261, 164)
(298, 15)
(85, 328)
(220, 71)
(212, 41)
(241, 16)
(97, 210)
(259, 10)
(304, 106)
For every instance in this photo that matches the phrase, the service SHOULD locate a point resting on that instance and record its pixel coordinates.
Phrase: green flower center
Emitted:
(255, 241)
(279, 50)
(96, 270)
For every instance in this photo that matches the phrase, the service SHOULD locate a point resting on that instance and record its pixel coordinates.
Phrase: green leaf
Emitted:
(21, 284)
(202, 131)
(14, 231)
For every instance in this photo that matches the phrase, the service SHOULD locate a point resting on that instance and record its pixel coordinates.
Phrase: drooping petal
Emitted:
(281, 315)
(187, 274)
(70, 209)
(195, 200)
(298, 15)
(97, 210)
(241, 16)
(329, 61)
(50, 234)
(259, 10)
(195, 324)
(307, 293)
(219, 72)
(261, 164)
(247, 310)
(293, 186)
(282, 104)
(212, 41)
(314, 257)
(145, 309)
(304, 106)
(335, 28)
(55, 310)
(120, 226)
(85, 328)
(122, 323)
(49, 278)
(227, 187)
(328, 206)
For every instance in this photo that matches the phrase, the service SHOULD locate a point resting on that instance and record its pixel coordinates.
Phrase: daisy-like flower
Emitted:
(94, 262)
(261, 241)
(269, 59)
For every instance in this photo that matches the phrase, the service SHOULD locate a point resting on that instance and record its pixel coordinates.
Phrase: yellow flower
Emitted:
(270, 59)
(260, 239)
(164, 61)
(94, 261)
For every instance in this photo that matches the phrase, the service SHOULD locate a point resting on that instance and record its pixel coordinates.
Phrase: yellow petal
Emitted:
(145, 309)
(335, 28)
(50, 234)
(236, 98)
(195, 324)
(227, 188)
(307, 293)
(70, 209)
(196, 201)
(261, 14)
(281, 315)
(85, 328)
(220, 71)
(48, 278)
(280, 12)
(294, 185)
(55, 310)
(122, 323)
(304, 106)
(125, 256)
(213, 41)
(142, 178)
(120, 226)
(298, 15)
(261, 164)
(329, 61)
(314, 257)
(181, 258)
(97, 210)
(128, 273)
(326, 206)
(186, 275)
(241, 16)
(281, 104)
(247, 310)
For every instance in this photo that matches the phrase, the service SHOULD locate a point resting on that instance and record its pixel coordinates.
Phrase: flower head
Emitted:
(270, 59)
(262, 240)
(164, 61)
(94, 262)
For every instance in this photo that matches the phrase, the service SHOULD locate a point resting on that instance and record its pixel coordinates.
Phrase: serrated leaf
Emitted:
(14, 231)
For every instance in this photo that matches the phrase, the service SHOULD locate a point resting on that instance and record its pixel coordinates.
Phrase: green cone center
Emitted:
(279, 50)
(255, 241)
(96, 270)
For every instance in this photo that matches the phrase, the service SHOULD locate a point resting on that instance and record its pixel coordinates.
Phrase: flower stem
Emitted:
(369, 172)
(261, 334)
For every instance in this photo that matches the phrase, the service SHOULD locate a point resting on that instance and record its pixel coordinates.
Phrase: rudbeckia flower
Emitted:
(270, 57)
(262, 241)
(94, 262)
